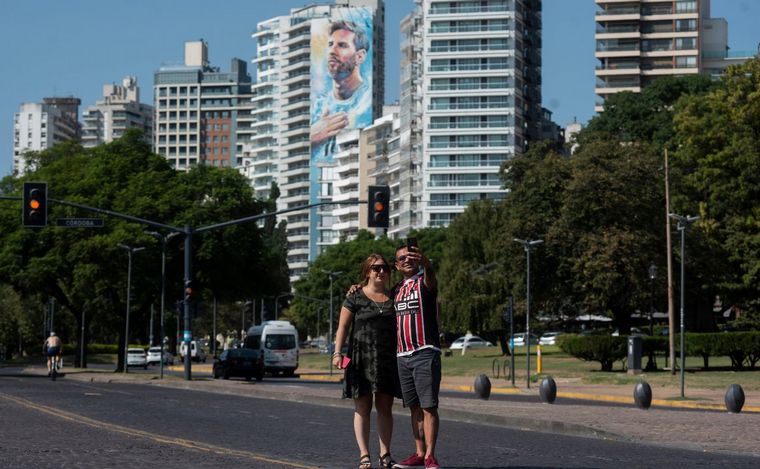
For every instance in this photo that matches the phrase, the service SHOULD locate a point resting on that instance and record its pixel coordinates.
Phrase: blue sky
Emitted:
(74, 47)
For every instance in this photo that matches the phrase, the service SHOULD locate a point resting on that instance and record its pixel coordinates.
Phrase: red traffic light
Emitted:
(379, 206)
(34, 212)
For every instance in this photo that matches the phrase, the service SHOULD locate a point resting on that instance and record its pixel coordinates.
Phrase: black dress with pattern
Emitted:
(371, 347)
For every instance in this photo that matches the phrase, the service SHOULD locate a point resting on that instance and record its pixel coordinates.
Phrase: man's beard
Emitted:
(342, 70)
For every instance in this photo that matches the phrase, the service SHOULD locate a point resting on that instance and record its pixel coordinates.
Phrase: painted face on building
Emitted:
(343, 57)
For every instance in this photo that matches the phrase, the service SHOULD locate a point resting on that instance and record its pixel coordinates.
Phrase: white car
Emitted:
(520, 340)
(549, 338)
(471, 341)
(137, 357)
(154, 356)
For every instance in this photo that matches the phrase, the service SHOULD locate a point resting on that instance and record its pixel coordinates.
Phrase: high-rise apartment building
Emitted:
(38, 126)
(640, 41)
(478, 64)
(119, 110)
(202, 115)
(280, 149)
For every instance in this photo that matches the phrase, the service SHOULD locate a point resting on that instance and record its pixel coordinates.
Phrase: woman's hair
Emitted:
(369, 262)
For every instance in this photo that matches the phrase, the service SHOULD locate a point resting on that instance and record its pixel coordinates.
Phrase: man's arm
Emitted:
(430, 280)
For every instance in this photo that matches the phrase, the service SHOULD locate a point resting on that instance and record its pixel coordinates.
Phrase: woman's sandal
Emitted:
(365, 462)
(386, 461)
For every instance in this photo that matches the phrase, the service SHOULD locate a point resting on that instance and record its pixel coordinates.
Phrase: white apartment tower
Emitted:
(279, 150)
(640, 41)
(38, 126)
(478, 64)
(119, 110)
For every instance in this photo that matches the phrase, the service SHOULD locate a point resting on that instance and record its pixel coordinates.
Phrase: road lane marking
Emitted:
(168, 440)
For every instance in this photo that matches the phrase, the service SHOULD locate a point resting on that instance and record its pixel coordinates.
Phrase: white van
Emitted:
(196, 351)
(278, 341)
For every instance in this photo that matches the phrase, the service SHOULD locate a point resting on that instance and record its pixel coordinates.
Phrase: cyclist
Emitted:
(53, 348)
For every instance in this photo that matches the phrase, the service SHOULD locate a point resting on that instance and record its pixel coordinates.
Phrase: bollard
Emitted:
(548, 390)
(539, 360)
(734, 398)
(642, 395)
(482, 387)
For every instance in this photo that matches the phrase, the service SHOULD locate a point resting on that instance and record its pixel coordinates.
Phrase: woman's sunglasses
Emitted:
(379, 268)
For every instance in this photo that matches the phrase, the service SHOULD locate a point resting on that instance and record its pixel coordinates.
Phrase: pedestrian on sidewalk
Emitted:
(367, 324)
(418, 350)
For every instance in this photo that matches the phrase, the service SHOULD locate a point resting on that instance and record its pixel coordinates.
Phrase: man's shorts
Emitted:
(420, 376)
(53, 351)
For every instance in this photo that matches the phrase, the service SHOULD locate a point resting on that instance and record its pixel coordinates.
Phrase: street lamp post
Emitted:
(163, 239)
(332, 276)
(683, 224)
(130, 251)
(652, 277)
(527, 245)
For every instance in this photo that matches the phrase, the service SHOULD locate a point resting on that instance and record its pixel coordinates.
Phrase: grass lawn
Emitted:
(562, 366)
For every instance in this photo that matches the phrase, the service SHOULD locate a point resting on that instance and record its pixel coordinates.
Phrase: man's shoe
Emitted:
(431, 463)
(412, 461)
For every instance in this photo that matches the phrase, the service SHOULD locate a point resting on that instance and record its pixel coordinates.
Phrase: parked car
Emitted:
(154, 356)
(519, 340)
(470, 341)
(245, 362)
(634, 331)
(137, 357)
(549, 338)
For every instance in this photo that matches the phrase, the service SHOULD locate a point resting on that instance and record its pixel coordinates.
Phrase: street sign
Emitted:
(80, 222)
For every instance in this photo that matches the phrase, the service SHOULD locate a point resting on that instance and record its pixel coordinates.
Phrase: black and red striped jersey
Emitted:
(416, 315)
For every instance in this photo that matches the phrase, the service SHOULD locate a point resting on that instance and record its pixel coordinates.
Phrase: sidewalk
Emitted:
(704, 425)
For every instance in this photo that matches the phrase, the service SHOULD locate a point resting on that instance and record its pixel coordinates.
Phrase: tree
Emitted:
(471, 298)
(609, 225)
(85, 270)
(719, 163)
(312, 291)
(645, 117)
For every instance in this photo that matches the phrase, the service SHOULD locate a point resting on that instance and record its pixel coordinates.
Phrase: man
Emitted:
(350, 96)
(53, 348)
(418, 351)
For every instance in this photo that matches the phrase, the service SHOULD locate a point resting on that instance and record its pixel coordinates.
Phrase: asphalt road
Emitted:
(76, 424)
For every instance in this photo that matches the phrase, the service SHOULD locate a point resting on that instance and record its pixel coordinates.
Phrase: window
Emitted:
(280, 342)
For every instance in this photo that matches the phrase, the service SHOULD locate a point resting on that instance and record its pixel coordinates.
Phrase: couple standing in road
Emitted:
(388, 358)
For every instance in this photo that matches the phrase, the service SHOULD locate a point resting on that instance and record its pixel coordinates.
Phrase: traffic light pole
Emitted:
(188, 231)
(188, 333)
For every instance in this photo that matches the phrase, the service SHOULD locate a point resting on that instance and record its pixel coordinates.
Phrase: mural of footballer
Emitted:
(344, 99)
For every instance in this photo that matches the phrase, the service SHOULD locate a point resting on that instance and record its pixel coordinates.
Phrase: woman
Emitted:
(368, 324)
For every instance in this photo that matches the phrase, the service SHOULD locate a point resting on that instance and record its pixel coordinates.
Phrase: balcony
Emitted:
(442, 9)
(470, 67)
(470, 48)
(447, 29)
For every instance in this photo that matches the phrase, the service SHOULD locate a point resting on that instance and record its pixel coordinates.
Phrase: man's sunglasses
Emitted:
(379, 268)
(402, 258)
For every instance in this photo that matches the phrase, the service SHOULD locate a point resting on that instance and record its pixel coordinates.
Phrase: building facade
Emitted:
(640, 41)
(280, 149)
(119, 110)
(479, 67)
(201, 114)
(38, 126)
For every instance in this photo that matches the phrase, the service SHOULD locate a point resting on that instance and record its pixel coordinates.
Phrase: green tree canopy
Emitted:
(84, 269)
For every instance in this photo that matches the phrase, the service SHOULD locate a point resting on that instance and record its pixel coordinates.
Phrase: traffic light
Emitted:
(379, 206)
(35, 204)
(188, 290)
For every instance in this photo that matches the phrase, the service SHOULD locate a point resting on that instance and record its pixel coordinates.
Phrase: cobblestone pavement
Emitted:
(699, 429)
(85, 446)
